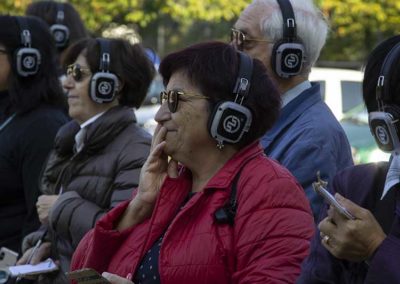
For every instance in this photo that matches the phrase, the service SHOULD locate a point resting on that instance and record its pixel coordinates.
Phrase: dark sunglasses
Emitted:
(77, 72)
(238, 39)
(172, 98)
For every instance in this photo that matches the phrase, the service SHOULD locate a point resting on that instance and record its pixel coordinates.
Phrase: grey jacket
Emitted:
(93, 180)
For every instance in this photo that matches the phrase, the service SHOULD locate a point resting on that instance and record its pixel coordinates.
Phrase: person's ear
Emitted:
(121, 85)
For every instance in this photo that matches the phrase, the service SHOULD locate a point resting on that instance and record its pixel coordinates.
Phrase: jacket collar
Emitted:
(292, 111)
(98, 135)
(224, 177)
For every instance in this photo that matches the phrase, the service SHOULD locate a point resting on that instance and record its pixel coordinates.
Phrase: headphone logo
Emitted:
(382, 135)
(291, 60)
(232, 124)
(59, 36)
(29, 62)
(104, 88)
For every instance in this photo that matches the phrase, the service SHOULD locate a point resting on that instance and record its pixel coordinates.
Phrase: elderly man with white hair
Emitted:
(287, 36)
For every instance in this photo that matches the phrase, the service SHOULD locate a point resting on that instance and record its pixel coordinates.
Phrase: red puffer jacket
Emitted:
(267, 243)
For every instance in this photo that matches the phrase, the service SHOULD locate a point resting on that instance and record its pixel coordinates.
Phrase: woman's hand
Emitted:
(115, 279)
(155, 168)
(43, 206)
(353, 240)
(40, 254)
(152, 176)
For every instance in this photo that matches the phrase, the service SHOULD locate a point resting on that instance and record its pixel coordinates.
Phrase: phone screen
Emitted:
(332, 201)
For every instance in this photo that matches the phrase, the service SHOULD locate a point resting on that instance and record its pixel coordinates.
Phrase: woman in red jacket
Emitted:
(218, 210)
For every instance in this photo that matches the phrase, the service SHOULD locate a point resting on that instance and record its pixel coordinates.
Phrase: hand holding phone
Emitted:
(87, 276)
(319, 188)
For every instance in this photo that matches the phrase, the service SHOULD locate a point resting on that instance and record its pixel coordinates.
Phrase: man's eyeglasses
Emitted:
(238, 38)
(172, 98)
(77, 72)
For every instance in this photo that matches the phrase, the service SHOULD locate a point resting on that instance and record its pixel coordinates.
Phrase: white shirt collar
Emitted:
(91, 120)
(79, 137)
(294, 92)
(393, 174)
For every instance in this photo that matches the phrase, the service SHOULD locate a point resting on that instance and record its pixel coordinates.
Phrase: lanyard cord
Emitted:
(7, 122)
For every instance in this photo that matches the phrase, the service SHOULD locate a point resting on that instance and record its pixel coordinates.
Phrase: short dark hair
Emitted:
(129, 62)
(47, 10)
(27, 93)
(213, 68)
(372, 71)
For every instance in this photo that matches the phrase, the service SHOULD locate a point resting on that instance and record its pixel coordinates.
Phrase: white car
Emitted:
(341, 89)
(146, 113)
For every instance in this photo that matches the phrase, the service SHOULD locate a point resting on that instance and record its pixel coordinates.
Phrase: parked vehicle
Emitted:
(341, 89)
(145, 114)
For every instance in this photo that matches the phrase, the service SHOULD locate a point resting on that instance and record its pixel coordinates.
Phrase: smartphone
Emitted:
(332, 200)
(87, 276)
(7, 259)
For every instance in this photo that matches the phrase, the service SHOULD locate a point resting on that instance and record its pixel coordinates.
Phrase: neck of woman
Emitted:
(207, 165)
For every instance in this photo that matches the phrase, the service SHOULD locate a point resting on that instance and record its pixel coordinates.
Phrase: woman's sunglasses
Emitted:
(172, 98)
(77, 72)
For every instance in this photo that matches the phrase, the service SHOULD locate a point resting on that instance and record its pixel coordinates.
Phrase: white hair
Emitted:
(312, 26)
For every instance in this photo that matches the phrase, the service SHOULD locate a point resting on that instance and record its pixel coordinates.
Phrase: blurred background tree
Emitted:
(165, 25)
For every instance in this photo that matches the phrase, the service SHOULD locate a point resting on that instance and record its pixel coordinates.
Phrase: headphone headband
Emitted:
(242, 85)
(25, 33)
(382, 93)
(289, 21)
(105, 50)
(60, 13)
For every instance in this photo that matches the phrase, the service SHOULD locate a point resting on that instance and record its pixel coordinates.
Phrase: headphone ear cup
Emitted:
(27, 61)
(103, 87)
(287, 58)
(229, 121)
(60, 34)
(385, 127)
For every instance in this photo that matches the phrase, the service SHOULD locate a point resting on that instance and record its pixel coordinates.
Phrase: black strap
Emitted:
(227, 213)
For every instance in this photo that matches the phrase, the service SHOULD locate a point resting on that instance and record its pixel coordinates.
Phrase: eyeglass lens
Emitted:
(237, 37)
(75, 71)
(171, 97)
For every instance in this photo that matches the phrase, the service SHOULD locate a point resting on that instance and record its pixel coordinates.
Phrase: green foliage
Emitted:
(356, 25)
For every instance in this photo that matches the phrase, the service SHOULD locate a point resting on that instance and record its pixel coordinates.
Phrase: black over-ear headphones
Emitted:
(288, 52)
(59, 31)
(104, 85)
(384, 123)
(27, 58)
(230, 119)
